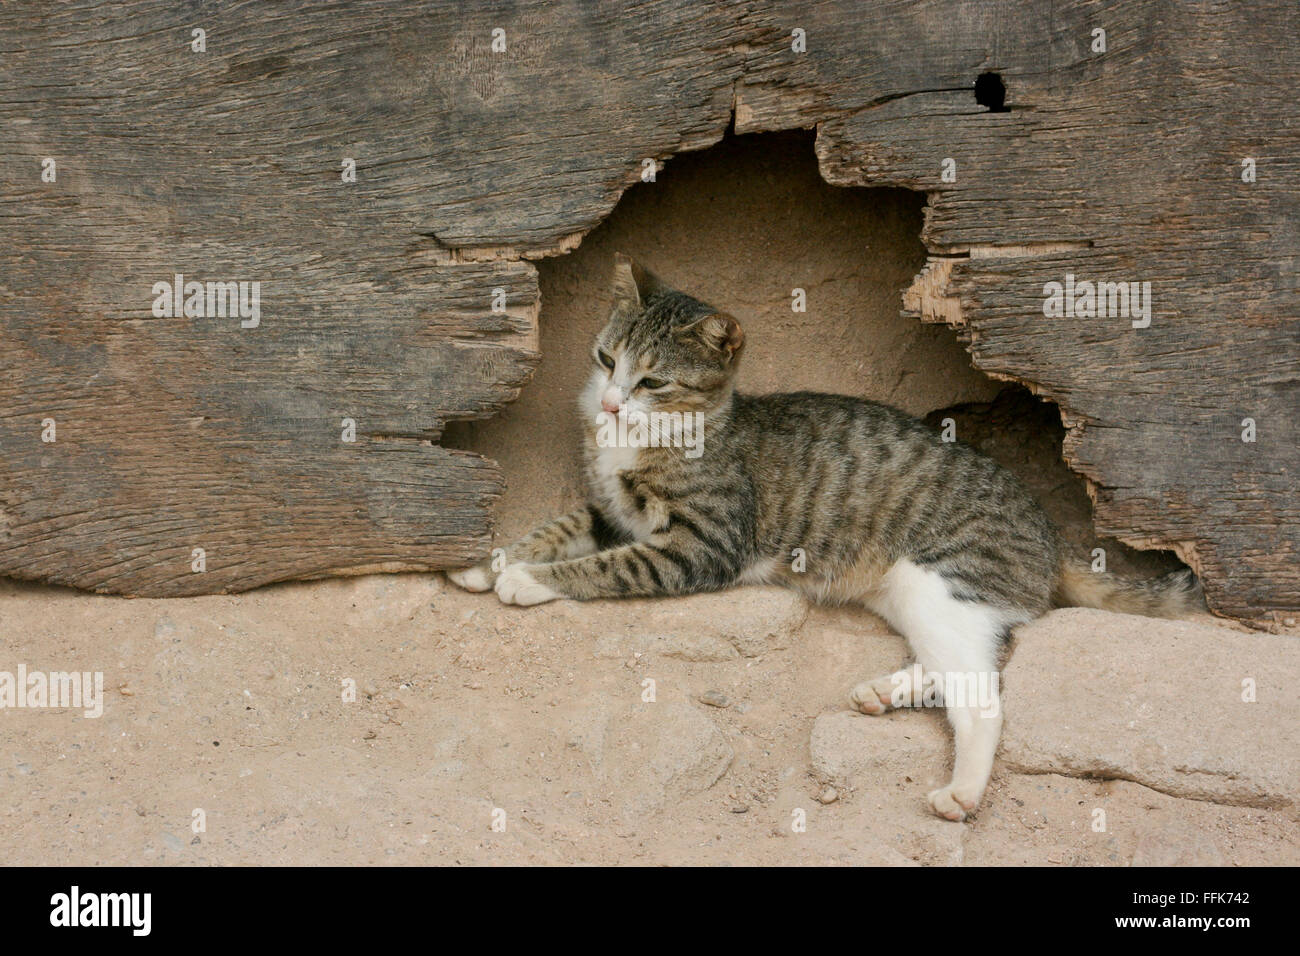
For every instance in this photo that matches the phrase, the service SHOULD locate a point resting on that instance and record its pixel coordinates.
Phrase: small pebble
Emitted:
(829, 795)
(714, 698)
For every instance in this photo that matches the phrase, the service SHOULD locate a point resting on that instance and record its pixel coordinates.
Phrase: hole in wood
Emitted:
(742, 226)
(991, 92)
(1023, 433)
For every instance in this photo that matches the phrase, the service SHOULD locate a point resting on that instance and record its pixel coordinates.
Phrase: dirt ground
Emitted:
(469, 713)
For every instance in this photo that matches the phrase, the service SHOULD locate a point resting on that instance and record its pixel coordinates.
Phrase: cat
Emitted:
(847, 500)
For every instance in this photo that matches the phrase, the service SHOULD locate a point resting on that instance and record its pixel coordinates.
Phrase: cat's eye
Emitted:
(653, 384)
(604, 359)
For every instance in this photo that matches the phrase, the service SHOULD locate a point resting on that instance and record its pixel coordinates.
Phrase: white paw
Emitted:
(475, 579)
(898, 689)
(873, 696)
(953, 802)
(516, 586)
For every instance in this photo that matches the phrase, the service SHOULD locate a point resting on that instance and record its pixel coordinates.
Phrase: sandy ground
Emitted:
(469, 713)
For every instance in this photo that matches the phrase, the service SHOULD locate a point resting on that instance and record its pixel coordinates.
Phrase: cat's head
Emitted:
(661, 350)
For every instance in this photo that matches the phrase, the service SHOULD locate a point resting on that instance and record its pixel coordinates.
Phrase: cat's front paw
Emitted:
(516, 585)
(480, 577)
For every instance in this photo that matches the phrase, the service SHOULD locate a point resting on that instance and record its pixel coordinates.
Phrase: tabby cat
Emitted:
(846, 500)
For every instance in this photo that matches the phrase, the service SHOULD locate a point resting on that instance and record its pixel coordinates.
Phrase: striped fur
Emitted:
(848, 500)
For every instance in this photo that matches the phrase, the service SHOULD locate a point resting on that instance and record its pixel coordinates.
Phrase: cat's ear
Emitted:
(720, 332)
(633, 284)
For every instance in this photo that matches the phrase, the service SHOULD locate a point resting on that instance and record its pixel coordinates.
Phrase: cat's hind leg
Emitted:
(958, 644)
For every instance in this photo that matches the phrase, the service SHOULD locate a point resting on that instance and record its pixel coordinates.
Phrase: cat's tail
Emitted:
(1171, 595)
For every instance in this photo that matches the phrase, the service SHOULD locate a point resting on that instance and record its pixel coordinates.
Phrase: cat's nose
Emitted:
(611, 399)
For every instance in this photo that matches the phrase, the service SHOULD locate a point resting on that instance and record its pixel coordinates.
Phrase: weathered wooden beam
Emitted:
(1122, 164)
(294, 442)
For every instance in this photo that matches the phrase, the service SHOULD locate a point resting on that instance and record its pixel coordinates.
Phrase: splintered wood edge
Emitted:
(928, 300)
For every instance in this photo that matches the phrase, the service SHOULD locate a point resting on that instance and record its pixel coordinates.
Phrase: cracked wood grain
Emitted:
(225, 165)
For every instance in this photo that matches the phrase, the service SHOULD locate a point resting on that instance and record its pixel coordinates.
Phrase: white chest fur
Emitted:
(606, 478)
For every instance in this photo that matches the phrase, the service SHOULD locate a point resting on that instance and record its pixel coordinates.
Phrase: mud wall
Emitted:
(740, 225)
